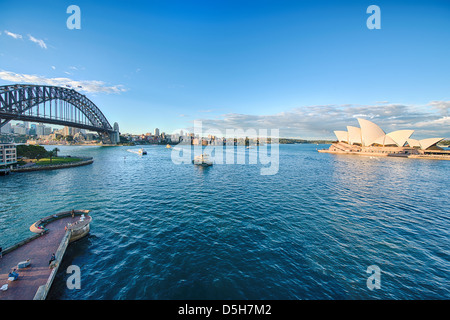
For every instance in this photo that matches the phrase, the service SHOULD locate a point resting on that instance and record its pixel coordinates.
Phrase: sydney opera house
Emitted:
(370, 139)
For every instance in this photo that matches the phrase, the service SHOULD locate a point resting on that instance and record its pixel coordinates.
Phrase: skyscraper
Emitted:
(40, 129)
(32, 129)
(68, 131)
(156, 132)
(6, 128)
(19, 128)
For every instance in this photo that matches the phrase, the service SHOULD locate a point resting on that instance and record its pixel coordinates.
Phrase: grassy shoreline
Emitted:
(56, 160)
(53, 161)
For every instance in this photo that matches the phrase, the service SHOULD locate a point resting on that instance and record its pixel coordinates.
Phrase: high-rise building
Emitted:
(47, 130)
(32, 131)
(6, 128)
(68, 131)
(40, 129)
(156, 132)
(19, 128)
(26, 124)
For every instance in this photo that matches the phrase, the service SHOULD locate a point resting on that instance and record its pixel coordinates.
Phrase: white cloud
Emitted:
(14, 35)
(311, 122)
(91, 86)
(442, 106)
(41, 43)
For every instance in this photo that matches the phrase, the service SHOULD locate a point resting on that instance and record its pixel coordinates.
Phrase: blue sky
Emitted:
(304, 67)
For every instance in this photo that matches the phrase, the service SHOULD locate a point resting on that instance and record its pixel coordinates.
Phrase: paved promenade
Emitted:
(39, 251)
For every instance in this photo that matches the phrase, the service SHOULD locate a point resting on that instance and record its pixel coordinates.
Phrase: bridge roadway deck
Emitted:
(39, 251)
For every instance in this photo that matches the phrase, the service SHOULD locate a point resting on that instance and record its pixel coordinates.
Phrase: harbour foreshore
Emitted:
(83, 162)
(52, 235)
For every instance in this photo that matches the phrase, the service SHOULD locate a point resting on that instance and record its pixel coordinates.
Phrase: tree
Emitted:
(31, 151)
(56, 150)
(51, 154)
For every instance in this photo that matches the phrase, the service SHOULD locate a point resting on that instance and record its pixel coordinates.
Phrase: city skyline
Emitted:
(303, 67)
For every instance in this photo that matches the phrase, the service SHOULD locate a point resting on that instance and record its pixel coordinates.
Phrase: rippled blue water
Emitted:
(167, 231)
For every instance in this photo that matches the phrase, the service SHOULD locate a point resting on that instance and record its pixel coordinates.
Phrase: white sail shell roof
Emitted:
(370, 132)
(400, 136)
(354, 135)
(426, 143)
(385, 140)
(413, 143)
(342, 136)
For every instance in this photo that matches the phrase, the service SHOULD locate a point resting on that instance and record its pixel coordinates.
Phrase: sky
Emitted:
(306, 68)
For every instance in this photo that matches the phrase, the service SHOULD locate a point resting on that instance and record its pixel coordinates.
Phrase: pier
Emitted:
(52, 235)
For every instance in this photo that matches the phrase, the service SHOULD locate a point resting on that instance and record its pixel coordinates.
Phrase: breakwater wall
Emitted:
(83, 162)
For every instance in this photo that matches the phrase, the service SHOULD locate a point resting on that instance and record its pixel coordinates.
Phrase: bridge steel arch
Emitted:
(53, 105)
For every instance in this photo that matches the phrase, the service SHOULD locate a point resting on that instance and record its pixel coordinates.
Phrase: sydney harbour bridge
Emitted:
(54, 105)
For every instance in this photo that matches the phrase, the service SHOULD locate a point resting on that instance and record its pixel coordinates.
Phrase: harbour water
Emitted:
(167, 231)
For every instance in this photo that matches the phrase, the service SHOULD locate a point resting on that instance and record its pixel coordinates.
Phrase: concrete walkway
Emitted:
(39, 251)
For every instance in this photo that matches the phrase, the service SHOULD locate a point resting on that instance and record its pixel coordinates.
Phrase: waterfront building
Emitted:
(370, 139)
(8, 154)
(79, 137)
(91, 136)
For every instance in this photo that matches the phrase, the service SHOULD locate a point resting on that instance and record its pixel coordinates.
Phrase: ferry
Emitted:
(140, 151)
(202, 160)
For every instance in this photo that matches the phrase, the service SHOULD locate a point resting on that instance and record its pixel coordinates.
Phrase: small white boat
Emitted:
(202, 160)
(140, 151)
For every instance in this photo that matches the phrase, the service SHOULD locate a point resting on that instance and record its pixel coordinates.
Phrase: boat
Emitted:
(168, 146)
(202, 160)
(140, 151)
